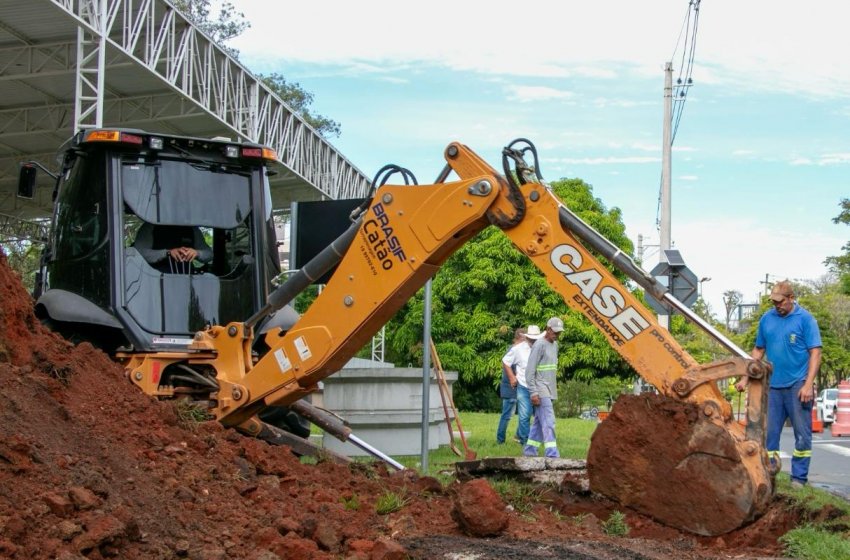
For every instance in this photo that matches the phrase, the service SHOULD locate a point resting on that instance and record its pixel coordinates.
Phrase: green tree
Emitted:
(299, 100)
(225, 26)
(230, 23)
(487, 289)
(831, 307)
(731, 300)
(840, 264)
(697, 342)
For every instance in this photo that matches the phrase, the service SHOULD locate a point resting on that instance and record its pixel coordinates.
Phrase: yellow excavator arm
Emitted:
(399, 240)
(402, 238)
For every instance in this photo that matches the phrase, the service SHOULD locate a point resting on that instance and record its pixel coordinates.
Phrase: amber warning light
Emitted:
(112, 136)
(265, 153)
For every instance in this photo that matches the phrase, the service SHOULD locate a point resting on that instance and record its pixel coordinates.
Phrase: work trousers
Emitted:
(542, 431)
(523, 399)
(508, 407)
(785, 404)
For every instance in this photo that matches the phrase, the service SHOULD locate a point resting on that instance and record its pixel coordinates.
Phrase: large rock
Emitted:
(478, 510)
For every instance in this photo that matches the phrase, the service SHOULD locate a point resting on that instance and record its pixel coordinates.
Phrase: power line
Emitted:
(686, 66)
(684, 80)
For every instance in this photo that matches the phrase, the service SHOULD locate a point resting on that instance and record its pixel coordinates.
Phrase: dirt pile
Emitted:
(92, 468)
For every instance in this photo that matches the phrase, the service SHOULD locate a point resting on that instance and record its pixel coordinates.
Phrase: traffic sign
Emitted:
(679, 280)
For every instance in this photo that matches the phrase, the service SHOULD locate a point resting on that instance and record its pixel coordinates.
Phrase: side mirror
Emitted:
(26, 181)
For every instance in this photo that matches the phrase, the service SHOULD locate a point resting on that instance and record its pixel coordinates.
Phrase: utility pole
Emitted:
(642, 250)
(767, 284)
(666, 165)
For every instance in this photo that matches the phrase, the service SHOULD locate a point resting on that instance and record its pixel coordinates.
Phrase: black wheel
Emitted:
(103, 338)
(285, 419)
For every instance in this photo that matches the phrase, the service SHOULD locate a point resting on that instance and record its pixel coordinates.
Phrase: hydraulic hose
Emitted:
(309, 273)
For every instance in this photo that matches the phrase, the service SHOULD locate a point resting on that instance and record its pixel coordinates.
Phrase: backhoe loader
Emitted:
(95, 281)
(397, 240)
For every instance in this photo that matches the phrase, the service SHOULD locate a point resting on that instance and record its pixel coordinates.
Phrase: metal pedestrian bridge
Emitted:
(67, 65)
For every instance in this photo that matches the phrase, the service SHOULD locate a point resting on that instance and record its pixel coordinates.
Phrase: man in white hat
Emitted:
(541, 378)
(513, 365)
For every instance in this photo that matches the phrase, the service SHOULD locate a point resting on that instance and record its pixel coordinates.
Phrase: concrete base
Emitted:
(383, 407)
(531, 469)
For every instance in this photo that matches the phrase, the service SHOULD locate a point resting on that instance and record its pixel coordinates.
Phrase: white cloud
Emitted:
(738, 253)
(604, 102)
(393, 80)
(834, 159)
(595, 72)
(646, 147)
(788, 46)
(824, 159)
(608, 160)
(525, 94)
(688, 178)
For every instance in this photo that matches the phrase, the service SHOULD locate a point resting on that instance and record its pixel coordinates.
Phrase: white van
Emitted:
(828, 405)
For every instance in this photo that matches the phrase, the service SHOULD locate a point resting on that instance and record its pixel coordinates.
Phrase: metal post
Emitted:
(666, 165)
(378, 345)
(640, 248)
(701, 280)
(426, 375)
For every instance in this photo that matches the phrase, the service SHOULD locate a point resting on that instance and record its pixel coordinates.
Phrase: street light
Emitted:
(701, 280)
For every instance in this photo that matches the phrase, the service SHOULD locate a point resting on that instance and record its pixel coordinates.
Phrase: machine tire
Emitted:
(285, 419)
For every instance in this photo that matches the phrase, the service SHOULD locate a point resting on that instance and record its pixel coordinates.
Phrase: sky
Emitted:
(761, 156)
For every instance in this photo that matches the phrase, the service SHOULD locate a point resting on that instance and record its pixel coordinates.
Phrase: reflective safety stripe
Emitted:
(550, 444)
(533, 443)
(773, 454)
(805, 453)
(547, 367)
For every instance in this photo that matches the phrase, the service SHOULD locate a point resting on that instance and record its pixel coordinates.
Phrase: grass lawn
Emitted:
(573, 437)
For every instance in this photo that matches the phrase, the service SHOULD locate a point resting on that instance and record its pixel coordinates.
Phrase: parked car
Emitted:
(828, 405)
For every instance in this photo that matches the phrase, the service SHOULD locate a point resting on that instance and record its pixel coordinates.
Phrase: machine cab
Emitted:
(128, 205)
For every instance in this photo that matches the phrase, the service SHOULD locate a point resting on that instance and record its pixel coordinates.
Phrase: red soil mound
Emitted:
(92, 468)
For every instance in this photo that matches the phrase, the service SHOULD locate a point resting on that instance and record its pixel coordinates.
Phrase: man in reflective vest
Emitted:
(540, 377)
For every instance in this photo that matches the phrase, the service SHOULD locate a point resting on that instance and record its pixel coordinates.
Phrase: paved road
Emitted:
(830, 468)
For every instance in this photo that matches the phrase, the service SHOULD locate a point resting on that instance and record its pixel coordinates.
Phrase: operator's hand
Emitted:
(807, 392)
(741, 385)
(535, 400)
(188, 253)
(183, 254)
(176, 254)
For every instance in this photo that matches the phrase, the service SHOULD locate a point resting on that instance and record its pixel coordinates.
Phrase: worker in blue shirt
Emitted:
(789, 336)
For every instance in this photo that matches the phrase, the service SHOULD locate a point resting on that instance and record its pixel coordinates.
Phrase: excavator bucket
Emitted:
(667, 459)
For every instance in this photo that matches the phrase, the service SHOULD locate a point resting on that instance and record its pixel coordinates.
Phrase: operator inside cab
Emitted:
(172, 249)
